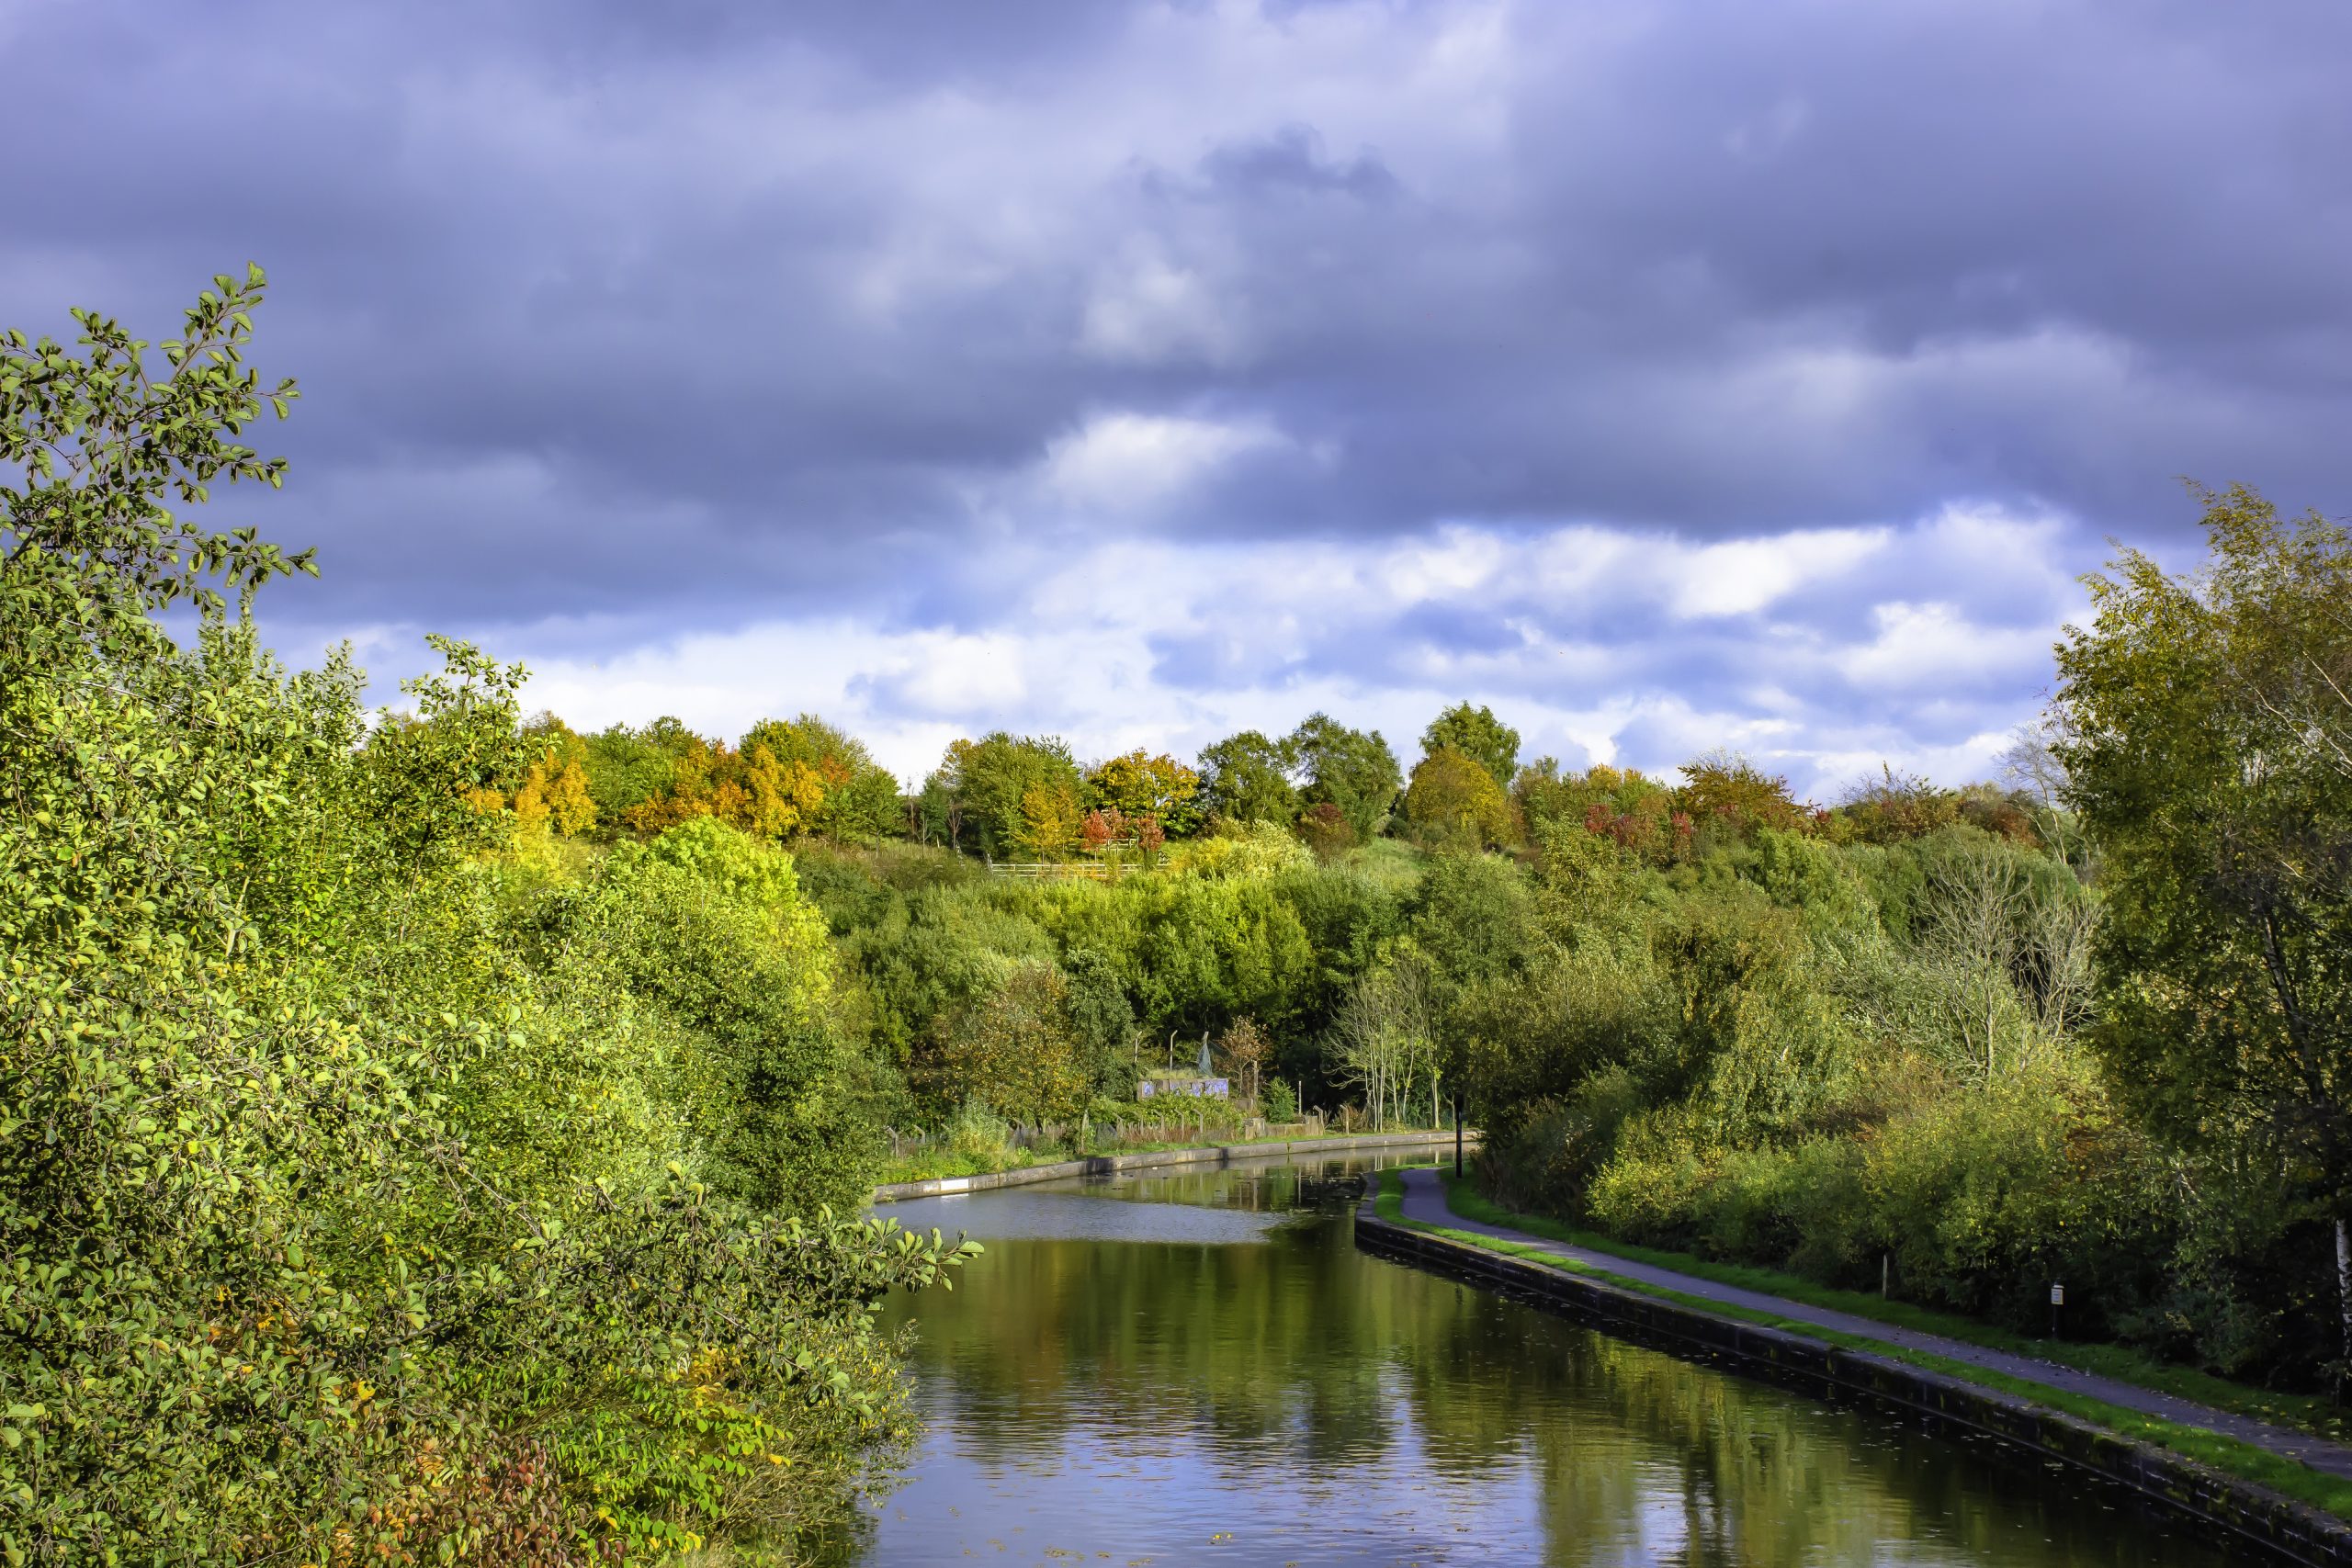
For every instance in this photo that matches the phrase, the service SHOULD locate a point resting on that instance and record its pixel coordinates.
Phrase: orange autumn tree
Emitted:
(787, 779)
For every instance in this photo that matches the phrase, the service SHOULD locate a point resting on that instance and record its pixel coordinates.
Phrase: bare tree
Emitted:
(1246, 1049)
(2057, 950)
(1387, 1035)
(2032, 766)
(1972, 941)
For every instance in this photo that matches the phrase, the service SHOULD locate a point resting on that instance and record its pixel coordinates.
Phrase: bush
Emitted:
(341, 1218)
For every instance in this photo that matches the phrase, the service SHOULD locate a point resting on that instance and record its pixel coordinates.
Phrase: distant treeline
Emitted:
(1005, 796)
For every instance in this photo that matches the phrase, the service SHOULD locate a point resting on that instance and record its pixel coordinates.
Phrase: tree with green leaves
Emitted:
(1248, 778)
(2206, 747)
(1478, 735)
(338, 1221)
(1352, 769)
(1010, 795)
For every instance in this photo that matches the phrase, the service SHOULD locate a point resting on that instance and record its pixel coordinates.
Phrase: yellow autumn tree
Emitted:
(1052, 819)
(554, 798)
(1453, 800)
(784, 797)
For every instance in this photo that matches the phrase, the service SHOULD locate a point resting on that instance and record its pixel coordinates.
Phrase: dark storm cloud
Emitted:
(710, 312)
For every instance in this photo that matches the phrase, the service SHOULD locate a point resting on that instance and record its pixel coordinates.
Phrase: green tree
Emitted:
(288, 1098)
(989, 788)
(2208, 748)
(1352, 769)
(1017, 1049)
(1246, 778)
(1140, 784)
(1478, 735)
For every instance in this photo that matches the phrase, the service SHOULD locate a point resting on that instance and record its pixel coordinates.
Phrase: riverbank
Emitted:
(2286, 1490)
(1148, 1159)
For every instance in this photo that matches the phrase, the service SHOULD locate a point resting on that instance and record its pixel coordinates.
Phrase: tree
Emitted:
(1325, 831)
(1051, 820)
(1245, 1049)
(1478, 735)
(1247, 778)
(1139, 785)
(1017, 1050)
(984, 787)
(554, 795)
(1387, 1035)
(1352, 769)
(2207, 746)
(847, 794)
(1725, 787)
(342, 1225)
(1455, 800)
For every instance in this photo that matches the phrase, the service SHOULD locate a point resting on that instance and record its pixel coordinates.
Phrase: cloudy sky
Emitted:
(1664, 374)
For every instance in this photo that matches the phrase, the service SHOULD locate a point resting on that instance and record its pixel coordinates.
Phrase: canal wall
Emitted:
(2237, 1511)
(1213, 1154)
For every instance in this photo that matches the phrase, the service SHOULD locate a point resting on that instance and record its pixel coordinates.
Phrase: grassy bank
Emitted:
(2225, 1454)
(2303, 1411)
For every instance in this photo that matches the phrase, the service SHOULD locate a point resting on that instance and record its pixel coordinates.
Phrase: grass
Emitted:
(2287, 1476)
(2303, 1411)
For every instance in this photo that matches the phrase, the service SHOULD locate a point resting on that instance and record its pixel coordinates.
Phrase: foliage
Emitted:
(1634, 811)
(1454, 801)
(1724, 789)
(1247, 778)
(855, 797)
(1325, 831)
(1139, 785)
(1005, 794)
(1017, 1048)
(2209, 753)
(1243, 1050)
(1478, 735)
(1351, 769)
(335, 1219)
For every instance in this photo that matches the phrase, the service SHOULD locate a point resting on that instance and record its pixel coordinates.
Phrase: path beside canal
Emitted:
(1425, 1203)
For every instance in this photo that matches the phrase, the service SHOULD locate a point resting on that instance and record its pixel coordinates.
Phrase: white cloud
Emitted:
(1123, 463)
(1647, 652)
(1147, 310)
(1745, 575)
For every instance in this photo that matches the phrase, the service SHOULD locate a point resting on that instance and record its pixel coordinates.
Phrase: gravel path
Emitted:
(1425, 1202)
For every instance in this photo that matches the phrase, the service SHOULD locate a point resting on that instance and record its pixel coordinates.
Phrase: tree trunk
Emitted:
(2343, 1289)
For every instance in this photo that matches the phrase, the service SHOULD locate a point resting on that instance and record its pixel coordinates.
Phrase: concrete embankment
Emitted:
(2238, 1510)
(1213, 1154)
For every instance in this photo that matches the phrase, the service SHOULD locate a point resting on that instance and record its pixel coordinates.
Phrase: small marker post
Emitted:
(2057, 1300)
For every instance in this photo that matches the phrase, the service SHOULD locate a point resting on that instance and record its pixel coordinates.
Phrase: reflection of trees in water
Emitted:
(1299, 1351)
(1260, 1346)
(1701, 1467)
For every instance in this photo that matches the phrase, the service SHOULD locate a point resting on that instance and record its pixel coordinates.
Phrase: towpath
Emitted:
(1425, 1203)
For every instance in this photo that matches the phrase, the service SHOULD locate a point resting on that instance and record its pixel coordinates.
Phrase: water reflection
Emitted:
(1159, 1370)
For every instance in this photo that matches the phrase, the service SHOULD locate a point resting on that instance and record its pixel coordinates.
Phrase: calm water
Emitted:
(1203, 1368)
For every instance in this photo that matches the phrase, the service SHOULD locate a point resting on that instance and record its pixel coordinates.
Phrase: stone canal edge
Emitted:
(2240, 1510)
(1212, 1154)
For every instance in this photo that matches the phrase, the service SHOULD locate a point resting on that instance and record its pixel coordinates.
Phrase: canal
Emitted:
(1202, 1368)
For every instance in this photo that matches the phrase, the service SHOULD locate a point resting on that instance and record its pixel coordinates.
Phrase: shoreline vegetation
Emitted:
(435, 1129)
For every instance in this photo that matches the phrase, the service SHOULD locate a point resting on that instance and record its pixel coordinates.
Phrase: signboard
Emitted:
(2057, 1295)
